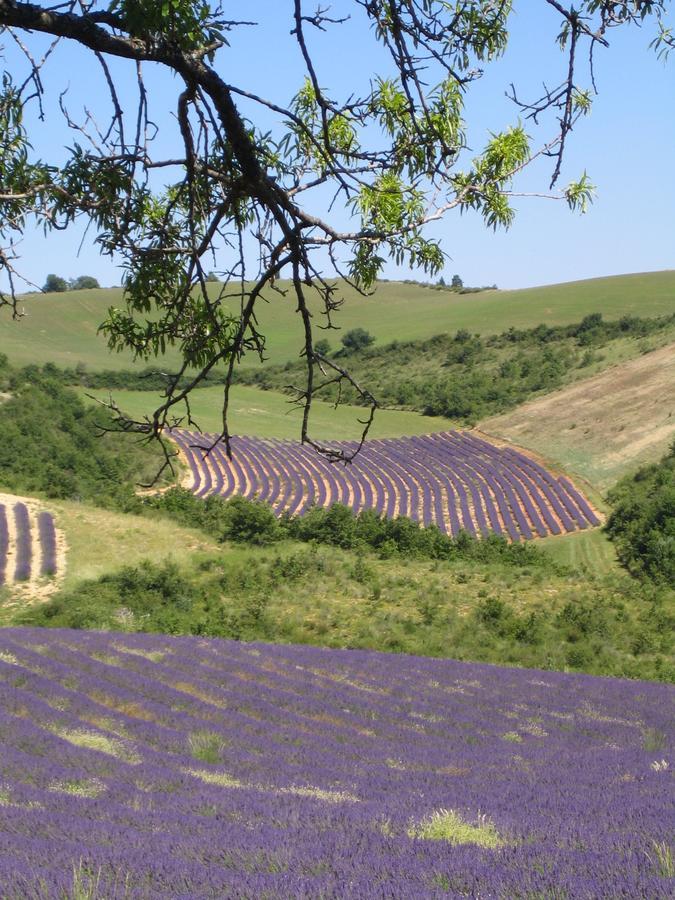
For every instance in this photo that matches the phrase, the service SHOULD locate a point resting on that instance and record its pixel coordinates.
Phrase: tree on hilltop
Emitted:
(84, 283)
(54, 284)
(393, 154)
(456, 283)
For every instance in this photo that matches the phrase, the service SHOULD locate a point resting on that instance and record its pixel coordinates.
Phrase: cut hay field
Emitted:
(61, 328)
(138, 766)
(269, 414)
(603, 427)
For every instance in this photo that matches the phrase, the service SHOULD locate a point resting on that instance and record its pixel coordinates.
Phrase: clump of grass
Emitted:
(8, 658)
(88, 885)
(221, 779)
(665, 859)
(152, 655)
(78, 787)
(653, 739)
(448, 825)
(207, 746)
(512, 736)
(321, 794)
(92, 740)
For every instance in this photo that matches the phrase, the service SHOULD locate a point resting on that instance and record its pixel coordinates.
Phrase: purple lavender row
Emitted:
(47, 535)
(565, 509)
(4, 543)
(523, 465)
(475, 501)
(24, 546)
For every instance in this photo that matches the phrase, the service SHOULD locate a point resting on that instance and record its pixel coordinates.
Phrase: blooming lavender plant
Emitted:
(153, 766)
(23, 543)
(4, 543)
(47, 537)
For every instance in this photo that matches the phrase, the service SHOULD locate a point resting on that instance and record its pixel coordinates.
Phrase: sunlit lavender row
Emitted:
(23, 553)
(454, 480)
(154, 766)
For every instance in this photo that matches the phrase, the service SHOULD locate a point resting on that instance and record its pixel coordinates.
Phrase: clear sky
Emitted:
(626, 144)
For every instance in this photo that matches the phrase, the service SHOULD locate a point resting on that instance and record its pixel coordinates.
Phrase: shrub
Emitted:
(642, 523)
(356, 339)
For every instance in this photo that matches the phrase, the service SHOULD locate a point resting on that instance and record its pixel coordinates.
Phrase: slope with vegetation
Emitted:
(467, 376)
(385, 585)
(52, 443)
(333, 579)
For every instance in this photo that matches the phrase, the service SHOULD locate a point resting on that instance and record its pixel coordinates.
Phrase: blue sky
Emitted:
(626, 144)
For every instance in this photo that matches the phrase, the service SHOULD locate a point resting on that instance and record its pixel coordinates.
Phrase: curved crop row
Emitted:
(27, 544)
(454, 480)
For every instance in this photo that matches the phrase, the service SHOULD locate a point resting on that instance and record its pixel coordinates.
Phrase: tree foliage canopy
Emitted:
(394, 156)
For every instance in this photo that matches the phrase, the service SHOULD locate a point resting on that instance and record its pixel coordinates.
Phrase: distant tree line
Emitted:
(456, 285)
(55, 284)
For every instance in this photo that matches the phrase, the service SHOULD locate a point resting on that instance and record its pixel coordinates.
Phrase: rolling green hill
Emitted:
(61, 328)
(269, 414)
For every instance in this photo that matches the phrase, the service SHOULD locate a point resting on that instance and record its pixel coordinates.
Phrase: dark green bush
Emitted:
(642, 523)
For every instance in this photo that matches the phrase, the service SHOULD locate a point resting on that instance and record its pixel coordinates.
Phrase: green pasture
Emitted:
(584, 551)
(270, 414)
(62, 328)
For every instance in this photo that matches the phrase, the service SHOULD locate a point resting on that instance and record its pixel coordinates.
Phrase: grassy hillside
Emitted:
(61, 328)
(591, 552)
(602, 427)
(99, 540)
(269, 414)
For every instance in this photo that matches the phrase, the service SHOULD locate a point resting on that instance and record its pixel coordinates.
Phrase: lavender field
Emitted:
(454, 480)
(155, 766)
(27, 543)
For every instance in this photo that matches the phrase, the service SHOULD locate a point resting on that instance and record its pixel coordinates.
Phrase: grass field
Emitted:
(100, 541)
(585, 551)
(269, 414)
(61, 328)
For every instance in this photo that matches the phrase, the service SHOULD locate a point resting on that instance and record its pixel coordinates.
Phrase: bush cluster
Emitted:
(249, 521)
(642, 523)
(468, 377)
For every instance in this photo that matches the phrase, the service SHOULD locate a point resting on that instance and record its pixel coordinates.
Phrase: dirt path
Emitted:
(604, 426)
